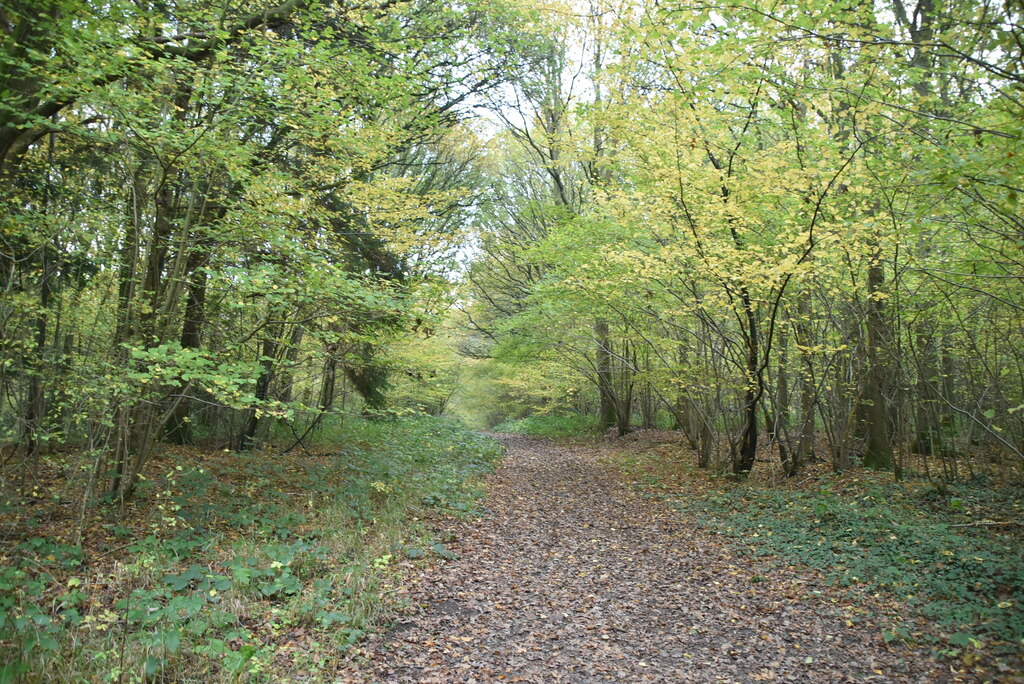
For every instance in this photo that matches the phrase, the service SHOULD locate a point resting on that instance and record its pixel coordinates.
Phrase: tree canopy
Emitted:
(758, 224)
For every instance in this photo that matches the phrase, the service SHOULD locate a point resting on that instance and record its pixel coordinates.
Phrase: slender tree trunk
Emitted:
(647, 406)
(247, 438)
(929, 433)
(743, 459)
(606, 410)
(291, 356)
(805, 447)
(788, 457)
(707, 445)
(35, 409)
(877, 448)
(179, 427)
(35, 414)
(124, 329)
(623, 394)
(685, 413)
(135, 445)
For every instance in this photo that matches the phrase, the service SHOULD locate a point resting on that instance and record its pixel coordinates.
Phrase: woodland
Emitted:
(279, 281)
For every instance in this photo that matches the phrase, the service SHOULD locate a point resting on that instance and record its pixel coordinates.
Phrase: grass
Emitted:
(235, 566)
(551, 426)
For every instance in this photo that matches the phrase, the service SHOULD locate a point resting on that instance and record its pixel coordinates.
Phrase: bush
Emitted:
(550, 425)
(237, 554)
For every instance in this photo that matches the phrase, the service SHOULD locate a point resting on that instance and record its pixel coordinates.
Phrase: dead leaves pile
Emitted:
(573, 576)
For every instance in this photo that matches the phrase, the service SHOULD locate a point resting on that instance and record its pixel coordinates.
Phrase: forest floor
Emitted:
(575, 574)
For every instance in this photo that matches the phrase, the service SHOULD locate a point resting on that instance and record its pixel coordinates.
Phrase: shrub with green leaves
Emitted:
(229, 563)
(550, 425)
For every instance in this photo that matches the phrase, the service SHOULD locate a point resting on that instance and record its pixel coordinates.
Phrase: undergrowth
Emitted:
(921, 547)
(243, 566)
(551, 426)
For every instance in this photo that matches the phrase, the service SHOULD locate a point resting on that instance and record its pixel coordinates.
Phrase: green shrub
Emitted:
(550, 425)
(229, 558)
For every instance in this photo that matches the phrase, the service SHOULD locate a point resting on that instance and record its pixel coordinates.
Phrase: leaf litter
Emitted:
(575, 576)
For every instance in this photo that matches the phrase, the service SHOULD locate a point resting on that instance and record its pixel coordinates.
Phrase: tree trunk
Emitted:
(326, 399)
(606, 411)
(134, 445)
(35, 408)
(685, 412)
(805, 448)
(247, 438)
(877, 448)
(928, 438)
(179, 427)
(743, 459)
(291, 356)
(788, 457)
(35, 413)
(623, 394)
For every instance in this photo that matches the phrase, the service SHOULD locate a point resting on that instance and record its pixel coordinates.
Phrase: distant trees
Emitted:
(805, 223)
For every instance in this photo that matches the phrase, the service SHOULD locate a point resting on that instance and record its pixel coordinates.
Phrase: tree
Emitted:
(779, 195)
(253, 189)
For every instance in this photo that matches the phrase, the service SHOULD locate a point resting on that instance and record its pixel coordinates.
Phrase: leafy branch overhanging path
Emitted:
(575, 576)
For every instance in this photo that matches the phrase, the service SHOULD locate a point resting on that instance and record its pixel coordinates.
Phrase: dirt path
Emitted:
(576, 577)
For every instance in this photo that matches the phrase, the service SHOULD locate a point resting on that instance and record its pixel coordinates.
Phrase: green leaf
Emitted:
(153, 665)
(172, 640)
(960, 639)
(47, 643)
